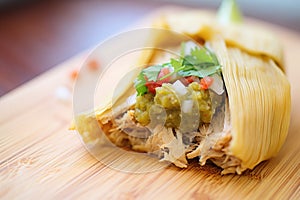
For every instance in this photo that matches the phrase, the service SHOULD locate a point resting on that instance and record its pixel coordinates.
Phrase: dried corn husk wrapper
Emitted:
(253, 70)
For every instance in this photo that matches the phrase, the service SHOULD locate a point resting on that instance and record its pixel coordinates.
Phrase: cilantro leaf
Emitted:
(201, 63)
(176, 64)
(200, 73)
(190, 60)
(152, 72)
(202, 55)
(189, 73)
(139, 84)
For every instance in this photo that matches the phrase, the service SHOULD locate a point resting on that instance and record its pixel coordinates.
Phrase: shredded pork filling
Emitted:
(210, 142)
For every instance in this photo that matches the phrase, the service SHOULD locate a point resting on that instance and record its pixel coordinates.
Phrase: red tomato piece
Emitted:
(191, 79)
(206, 82)
(151, 85)
(163, 72)
(184, 81)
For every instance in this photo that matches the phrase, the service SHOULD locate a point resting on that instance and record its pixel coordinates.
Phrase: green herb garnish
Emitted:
(139, 84)
(152, 72)
(199, 62)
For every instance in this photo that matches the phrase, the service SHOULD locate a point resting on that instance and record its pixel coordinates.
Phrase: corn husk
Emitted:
(259, 101)
(254, 40)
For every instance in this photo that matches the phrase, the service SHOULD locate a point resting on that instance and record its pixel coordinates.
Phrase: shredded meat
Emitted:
(168, 144)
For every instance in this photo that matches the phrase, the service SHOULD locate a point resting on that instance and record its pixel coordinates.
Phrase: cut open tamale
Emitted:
(224, 98)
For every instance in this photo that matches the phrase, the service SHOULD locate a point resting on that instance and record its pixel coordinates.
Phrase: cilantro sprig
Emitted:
(139, 84)
(200, 62)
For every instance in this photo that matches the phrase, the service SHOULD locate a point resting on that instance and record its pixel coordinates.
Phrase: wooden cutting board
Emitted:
(41, 158)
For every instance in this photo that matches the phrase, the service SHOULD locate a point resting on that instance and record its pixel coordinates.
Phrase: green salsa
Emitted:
(198, 99)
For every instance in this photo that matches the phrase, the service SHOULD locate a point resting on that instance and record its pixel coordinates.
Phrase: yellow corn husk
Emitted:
(259, 101)
(204, 24)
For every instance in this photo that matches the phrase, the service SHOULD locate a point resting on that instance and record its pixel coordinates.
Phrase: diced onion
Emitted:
(187, 106)
(179, 88)
(217, 85)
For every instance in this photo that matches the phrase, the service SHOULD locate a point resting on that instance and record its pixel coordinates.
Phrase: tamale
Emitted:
(256, 108)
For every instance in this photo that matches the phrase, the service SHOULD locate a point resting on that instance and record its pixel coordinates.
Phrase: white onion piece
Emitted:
(217, 85)
(189, 45)
(187, 106)
(179, 88)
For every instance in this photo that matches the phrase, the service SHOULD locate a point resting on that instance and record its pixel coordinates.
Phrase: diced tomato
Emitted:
(184, 81)
(151, 85)
(206, 82)
(191, 79)
(163, 72)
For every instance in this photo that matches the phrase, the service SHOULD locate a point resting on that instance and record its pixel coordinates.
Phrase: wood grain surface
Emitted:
(41, 159)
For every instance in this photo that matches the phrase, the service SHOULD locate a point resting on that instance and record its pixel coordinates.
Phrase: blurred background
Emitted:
(36, 35)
